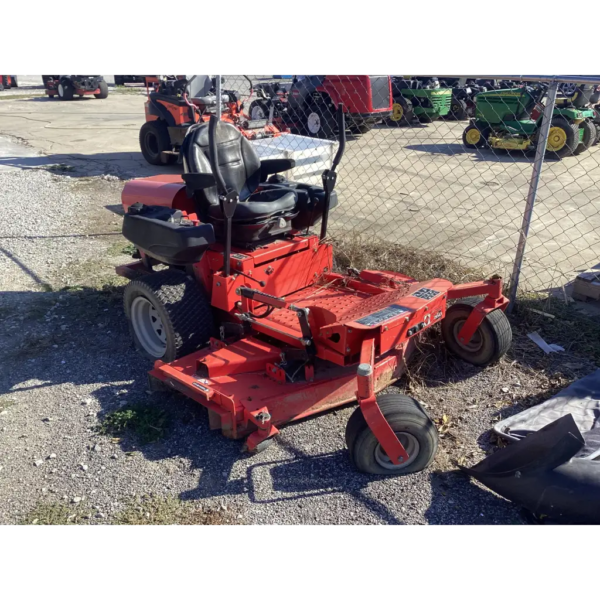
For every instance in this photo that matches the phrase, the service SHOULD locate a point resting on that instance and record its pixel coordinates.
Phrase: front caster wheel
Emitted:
(410, 423)
(490, 342)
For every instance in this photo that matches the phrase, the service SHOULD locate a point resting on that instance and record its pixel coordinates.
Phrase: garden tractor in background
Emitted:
(306, 105)
(68, 86)
(510, 119)
(423, 100)
(175, 103)
(464, 92)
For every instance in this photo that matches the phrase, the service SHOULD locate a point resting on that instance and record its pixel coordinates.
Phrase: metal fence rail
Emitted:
(531, 215)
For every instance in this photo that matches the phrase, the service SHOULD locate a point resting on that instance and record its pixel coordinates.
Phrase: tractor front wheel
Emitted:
(103, 87)
(475, 137)
(589, 137)
(169, 315)
(410, 423)
(154, 140)
(563, 138)
(490, 341)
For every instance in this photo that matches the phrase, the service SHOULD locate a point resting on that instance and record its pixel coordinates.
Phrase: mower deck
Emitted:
(270, 377)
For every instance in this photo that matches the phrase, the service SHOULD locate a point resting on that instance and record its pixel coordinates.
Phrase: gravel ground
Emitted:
(67, 362)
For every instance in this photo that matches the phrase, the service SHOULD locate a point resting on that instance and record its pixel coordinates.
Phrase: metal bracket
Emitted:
(307, 338)
(370, 409)
(275, 372)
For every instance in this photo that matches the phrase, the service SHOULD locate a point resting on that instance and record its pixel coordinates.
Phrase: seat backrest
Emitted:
(199, 86)
(238, 160)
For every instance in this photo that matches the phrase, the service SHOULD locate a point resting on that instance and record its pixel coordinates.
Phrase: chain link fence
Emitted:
(461, 166)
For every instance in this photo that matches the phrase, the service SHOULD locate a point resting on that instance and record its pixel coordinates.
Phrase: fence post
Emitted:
(532, 193)
(218, 92)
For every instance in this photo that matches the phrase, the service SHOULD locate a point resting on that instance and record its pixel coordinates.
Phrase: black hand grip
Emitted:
(214, 158)
(341, 120)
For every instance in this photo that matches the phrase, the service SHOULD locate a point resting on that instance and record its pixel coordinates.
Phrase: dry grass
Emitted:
(360, 252)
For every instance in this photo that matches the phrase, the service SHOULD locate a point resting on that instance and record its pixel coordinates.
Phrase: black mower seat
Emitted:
(259, 214)
(260, 205)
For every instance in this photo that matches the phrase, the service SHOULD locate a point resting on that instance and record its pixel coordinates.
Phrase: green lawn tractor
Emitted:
(510, 119)
(423, 100)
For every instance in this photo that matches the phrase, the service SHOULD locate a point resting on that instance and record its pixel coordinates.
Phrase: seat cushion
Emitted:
(310, 203)
(260, 205)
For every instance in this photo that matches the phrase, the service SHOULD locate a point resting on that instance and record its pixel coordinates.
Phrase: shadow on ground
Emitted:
(80, 337)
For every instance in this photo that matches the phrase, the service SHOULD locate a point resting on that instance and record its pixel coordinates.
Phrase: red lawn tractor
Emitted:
(66, 87)
(245, 315)
(175, 103)
(5, 82)
(308, 103)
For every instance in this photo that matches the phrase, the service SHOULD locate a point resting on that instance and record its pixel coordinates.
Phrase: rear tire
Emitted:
(258, 110)
(169, 315)
(414, 429)
(402, 113)
(154, 140)
(65, 90)
(563, 138)
(597, 141)
(490, 342)
(103, 87)
(319, 120)
(589, 137)
(458, 110)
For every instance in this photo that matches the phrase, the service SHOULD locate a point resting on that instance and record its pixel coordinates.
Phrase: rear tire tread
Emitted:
(190, 322)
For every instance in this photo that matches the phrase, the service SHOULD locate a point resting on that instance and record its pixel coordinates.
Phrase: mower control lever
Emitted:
(228, 198)
(329, 176)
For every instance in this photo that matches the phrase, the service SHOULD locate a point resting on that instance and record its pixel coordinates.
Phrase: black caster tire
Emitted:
(415, 430)
(490, 342)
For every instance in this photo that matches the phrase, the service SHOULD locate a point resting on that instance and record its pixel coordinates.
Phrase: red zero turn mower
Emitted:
(67, 86)
(7, 81)
(249, 320)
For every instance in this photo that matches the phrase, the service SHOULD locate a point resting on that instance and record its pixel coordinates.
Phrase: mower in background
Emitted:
(123, 79)
(66, 87)
(510, 119)
(417, 99)
(7, 82)
(175, 103)
(307, 104)
(464, 92)
(236, 303)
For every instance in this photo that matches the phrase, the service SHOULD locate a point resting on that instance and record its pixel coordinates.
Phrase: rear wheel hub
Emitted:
(557, 138)
(148, 327)
(397, 112)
